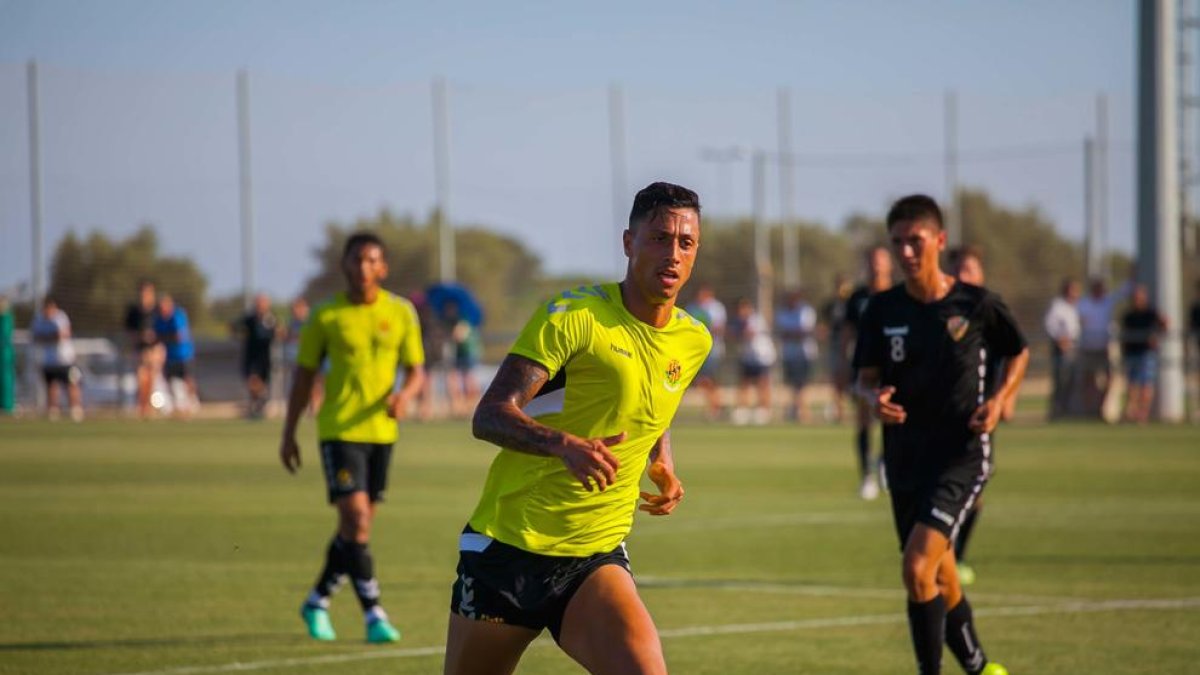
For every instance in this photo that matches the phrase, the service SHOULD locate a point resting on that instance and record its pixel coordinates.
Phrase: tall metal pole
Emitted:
(245, 190)
(787, 191)
(762, 244)
(1091, 237)
(952, 207)
(441, 171)
(1102, 198)
(616, 155)
(1158, 192)
(35, 182)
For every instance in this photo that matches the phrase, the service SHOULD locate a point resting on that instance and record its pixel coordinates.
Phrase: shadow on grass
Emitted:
(147, 643)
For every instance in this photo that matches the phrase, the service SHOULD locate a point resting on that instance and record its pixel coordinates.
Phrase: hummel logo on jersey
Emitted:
(893, 331)
(957, 327)
(623, 352)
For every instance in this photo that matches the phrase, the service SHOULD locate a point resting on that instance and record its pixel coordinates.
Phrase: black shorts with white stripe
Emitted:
(941, 503)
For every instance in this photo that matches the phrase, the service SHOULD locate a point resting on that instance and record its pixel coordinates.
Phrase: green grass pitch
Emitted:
(184, 548)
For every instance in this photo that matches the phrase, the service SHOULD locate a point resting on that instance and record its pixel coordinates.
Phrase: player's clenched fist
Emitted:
(885, 410)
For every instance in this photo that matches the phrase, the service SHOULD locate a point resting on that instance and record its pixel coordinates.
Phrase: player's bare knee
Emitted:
(920, 577)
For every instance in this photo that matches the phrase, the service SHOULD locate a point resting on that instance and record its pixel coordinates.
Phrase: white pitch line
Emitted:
(692, 631)
(817, 590)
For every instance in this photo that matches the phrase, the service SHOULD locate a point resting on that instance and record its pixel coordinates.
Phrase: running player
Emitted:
(922, 353)
(367, 334)
(879, 279)
(579, 408)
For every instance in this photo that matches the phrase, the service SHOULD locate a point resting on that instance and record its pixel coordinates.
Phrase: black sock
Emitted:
(962, 640)
(927, 625)
(964, 533)
(335, 568)
(862, 442)
(362, 573)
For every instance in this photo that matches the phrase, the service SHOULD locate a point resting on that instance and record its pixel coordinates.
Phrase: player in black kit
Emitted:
(921, 356)
(879, 279)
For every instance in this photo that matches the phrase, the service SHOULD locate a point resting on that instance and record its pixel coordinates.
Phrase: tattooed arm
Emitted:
(500, 418)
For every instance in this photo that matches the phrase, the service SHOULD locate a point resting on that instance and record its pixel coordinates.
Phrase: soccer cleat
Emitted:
(380, 630)
(317, 621)
(966, 574)
(869, 489)
(994, 669)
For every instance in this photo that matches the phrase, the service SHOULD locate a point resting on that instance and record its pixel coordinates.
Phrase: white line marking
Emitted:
(817, 590)
(692, 631)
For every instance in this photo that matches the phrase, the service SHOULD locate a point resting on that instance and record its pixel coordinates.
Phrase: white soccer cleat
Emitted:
(869, 489)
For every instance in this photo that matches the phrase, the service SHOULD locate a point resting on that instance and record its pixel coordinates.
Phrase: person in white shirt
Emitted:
(756, 356)
(1095, 319)
(1063, 328)
(796, 324)
(52, 334)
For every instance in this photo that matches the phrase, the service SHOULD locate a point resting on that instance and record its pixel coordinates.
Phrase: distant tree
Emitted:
(95, 278)
(501, 272)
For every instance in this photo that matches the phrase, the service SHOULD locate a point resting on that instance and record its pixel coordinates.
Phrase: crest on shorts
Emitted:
(344, 478)
(672, 375)
(957, 327)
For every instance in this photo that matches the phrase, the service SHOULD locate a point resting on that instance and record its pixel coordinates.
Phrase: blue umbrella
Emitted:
(441, 295)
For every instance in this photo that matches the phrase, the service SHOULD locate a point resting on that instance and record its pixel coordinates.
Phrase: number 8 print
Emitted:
(897, 348)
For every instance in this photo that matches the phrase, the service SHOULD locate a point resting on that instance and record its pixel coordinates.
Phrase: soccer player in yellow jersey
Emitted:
(579, 408)
(368, 335)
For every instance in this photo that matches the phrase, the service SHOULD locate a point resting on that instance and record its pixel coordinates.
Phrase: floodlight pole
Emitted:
(1158, 192)
(245, 188)
(441, 171)
(617, 161)
(1101, 184)
(787, 192)
(952, 210)
(37, 283)
(762, 242)
(1091, 235)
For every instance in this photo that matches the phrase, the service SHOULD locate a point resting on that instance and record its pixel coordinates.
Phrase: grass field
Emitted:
(175, 548)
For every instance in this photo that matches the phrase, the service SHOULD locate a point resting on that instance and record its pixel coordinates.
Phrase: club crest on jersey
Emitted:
(672, 375)
(957, 327)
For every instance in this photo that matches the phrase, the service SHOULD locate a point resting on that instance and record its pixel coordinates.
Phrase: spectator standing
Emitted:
(171, 326)
(708, 310)
(467, 346)
(291, 349)
(1095, 319)
(258, 329)
(756, 354)
(834, 316)
(144, 347)
(796, 324)
(1141, 327)
(52, 333)
(1063, 328)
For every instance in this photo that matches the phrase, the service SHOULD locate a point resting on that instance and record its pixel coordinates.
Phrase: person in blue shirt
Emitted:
(171, 327)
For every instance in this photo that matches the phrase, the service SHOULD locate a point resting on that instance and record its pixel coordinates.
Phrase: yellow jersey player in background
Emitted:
(367, 335)
(580, 408)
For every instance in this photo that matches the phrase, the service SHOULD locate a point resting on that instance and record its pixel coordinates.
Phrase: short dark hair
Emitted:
(661, 195)
(961, 253)
(363, 239)
(913, 208)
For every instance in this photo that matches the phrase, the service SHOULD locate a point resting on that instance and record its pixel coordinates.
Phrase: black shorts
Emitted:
(942, 503)
(64, 374)
(796, 372)
(258, 367)
(504, 584)
(356, 467)
(177, 370)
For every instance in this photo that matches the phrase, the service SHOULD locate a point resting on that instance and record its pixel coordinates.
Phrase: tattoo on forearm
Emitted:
(500, 418)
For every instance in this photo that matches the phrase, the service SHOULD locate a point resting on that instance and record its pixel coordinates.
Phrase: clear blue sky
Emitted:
(139, 126)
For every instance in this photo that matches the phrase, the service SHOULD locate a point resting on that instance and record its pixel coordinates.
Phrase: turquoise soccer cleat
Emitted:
(317, 621)
(994, 669)
(381, 631)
